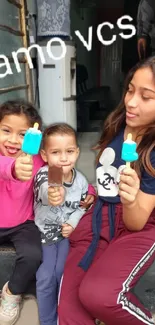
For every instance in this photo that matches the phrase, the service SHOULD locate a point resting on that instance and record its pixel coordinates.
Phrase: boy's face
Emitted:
(61, 151)
(12, 131)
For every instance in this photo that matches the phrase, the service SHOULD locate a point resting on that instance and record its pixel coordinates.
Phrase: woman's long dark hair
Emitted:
(116, 120)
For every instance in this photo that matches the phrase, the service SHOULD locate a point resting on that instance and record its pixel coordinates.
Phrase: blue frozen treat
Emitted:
(32, 140)
(129, 153)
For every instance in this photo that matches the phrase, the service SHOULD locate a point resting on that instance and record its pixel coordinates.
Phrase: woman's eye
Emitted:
(130, 91)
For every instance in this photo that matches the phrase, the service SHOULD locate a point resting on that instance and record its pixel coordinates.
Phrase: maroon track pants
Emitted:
(103, 292)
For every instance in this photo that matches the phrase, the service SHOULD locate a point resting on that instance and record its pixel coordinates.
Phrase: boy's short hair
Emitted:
(58, 128)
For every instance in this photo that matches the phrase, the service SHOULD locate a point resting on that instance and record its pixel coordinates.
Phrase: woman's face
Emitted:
(140, 99)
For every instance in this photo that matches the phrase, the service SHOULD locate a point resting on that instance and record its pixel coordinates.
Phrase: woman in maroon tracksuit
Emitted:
(114, 243)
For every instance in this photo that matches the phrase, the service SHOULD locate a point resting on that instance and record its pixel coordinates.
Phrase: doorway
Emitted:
(105, 66)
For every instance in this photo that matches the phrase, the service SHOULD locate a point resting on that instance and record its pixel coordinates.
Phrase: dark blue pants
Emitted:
(48, 280)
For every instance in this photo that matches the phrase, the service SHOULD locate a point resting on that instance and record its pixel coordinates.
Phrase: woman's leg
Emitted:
(105, 290)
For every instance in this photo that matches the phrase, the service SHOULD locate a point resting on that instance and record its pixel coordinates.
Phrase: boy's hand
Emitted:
(56, 195)
(66, 230)
(129, 186)
(23, 168)
(89, 200)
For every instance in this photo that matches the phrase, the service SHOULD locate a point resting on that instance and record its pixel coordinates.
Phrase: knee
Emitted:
(98, 298)
(32, 256)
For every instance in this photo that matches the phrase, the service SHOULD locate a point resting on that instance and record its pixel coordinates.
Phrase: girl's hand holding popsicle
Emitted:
(23, 168)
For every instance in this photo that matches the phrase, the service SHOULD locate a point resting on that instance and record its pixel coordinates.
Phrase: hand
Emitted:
(142, 48)
(66, 230)
(23, 168)
(56, 195)
(89, 200)
(129, 186)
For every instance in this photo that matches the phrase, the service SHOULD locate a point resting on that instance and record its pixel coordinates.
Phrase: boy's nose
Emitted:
(63, 157)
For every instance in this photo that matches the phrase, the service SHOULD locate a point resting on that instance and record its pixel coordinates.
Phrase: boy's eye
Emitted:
(22, 134)
(70, 151)
(54, 152)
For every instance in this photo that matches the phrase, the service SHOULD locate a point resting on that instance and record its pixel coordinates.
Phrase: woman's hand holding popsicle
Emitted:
(129, 186)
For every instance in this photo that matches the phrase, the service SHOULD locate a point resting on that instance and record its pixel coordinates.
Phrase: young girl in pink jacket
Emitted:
(17, 171)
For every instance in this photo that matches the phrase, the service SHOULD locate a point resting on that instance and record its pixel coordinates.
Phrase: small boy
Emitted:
(56, 221)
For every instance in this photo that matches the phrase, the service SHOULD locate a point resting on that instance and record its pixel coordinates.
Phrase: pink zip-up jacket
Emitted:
(16, 197)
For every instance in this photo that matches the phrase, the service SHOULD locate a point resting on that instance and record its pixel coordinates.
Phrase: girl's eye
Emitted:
(5, 130)
(70, 151)
(22, 134)
(54, 152)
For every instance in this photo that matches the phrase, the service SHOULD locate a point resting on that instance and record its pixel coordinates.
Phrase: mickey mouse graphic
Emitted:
(108, 176)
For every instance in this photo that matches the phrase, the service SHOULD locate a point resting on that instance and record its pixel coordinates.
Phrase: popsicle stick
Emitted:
(129, 136)
(36, 125)
(128, 164)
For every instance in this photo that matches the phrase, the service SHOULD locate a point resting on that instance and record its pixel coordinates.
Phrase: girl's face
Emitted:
(140, 99)
(12, 131)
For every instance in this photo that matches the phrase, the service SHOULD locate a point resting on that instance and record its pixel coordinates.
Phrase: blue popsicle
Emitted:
(32, 140)
(129, 153)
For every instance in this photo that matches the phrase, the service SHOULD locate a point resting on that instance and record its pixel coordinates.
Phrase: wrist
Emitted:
(129, 205)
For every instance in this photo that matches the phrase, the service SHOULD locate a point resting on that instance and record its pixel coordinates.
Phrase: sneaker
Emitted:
(10, 307)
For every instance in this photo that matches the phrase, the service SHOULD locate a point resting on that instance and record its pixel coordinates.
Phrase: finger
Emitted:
(54, 202)
(129, 181)
(64, 225)
(126, 196)
(26, 160)
(130, 172)
(27, 174)
(54, 194)
(64, 231)
(26, 167)
(23, 154)
(65, 236)
(91, 200)
(128, 189)
(25, 178)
